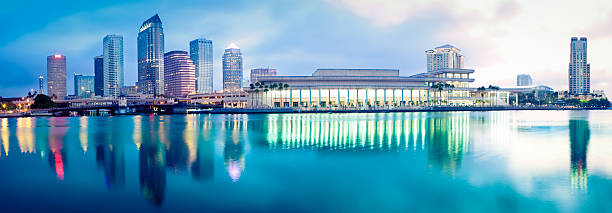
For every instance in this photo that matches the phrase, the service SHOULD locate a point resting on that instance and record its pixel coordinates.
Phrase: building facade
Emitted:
(179, 74)
(41, 84)
(83, 85)
(151, 57)
(579, 68)
(371, 89)
(232, 69)
(444, 57)
(259, 72)
(201, 53)
(524, 80)
(113, 65)
(99, 75)
(56, 76)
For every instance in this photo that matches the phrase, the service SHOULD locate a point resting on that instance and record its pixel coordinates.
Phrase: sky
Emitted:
(498, 38)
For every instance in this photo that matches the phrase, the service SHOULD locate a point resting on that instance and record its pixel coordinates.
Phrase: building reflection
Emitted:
(579, 134)
(447, 141)
(110, 153)
(57, 152)
(446, 138)
(233, 150)
(152, 160)
(202, 168)
(4, 136)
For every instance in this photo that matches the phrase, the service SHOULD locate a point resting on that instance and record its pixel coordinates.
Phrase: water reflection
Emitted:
(164, 147)
(110, 153)
(233, 149)
(446, 137)
(152, 161)
(579, 134)
(57, 156)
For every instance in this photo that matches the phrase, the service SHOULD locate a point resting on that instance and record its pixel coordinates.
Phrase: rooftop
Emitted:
(356, 72)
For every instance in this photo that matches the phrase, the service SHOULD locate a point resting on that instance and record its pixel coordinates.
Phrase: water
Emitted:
(534, 161)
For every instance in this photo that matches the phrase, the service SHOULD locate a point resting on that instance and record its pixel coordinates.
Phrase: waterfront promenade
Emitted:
(36, 113)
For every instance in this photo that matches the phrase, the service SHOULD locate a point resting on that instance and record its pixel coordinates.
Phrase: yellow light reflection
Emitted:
(4, 135)
(83, 133)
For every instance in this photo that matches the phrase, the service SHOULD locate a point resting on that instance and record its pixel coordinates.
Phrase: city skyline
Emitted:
(394, 38)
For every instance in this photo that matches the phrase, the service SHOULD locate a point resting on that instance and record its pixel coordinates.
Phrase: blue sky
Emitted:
(297, 37)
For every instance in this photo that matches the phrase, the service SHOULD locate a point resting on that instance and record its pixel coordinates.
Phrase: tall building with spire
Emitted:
(232, 68)
(113, 65)
(179, 74)
(444, 57)
(579, 68)
(201, 53)
(56, 76)
(151, 57)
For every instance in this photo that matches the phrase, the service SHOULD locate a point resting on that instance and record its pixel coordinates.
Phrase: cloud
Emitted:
(502, 38)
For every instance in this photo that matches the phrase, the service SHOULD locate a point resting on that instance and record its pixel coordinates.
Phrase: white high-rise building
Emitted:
(201, 53)
(232, 68)
(444, 57)
(579, 68)
(113, 65)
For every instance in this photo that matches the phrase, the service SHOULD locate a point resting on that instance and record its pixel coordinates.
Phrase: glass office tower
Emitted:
(579, 68)
(151, 57)
(232, 68)
(200, 51)
(113, 65)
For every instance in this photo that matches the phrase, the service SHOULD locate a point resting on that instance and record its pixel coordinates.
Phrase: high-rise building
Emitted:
(41, 84)
(200, 51)
(151, 57)
(83, 85)
(579, 68)
(56, 76)
(179, 74)
(258, 72)
(444, 57)
(113, 65)
(99, 75)
(524, 80)
(232, 68)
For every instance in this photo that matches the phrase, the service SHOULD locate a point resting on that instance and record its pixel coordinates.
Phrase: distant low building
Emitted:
(129, 90)
(524, 80)
(259, 72)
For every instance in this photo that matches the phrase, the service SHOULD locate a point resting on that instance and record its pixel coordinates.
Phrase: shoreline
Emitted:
(287, 111)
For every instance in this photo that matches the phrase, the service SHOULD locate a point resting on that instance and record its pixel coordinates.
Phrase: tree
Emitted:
(43, 102)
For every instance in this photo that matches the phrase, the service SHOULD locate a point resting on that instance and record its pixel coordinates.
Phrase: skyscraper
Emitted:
(200, 51)
(113, 65)
(444, 57)
(151, 57)
(232, 68)
(56, 76)
(83, 85)
(41, 84)
(579, 68)
(99, 75)
(524, 80)
(179, 74)
(255, 73)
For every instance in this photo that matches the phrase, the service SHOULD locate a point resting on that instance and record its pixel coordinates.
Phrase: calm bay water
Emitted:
(534, 161)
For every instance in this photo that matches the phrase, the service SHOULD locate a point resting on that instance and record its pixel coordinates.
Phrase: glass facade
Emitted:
(83, 85)
(113, 65)
(201, 53)
(232, 69)
(151, 57)
(99, 75)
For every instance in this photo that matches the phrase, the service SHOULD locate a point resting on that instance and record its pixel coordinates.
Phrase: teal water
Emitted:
(517, 161)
